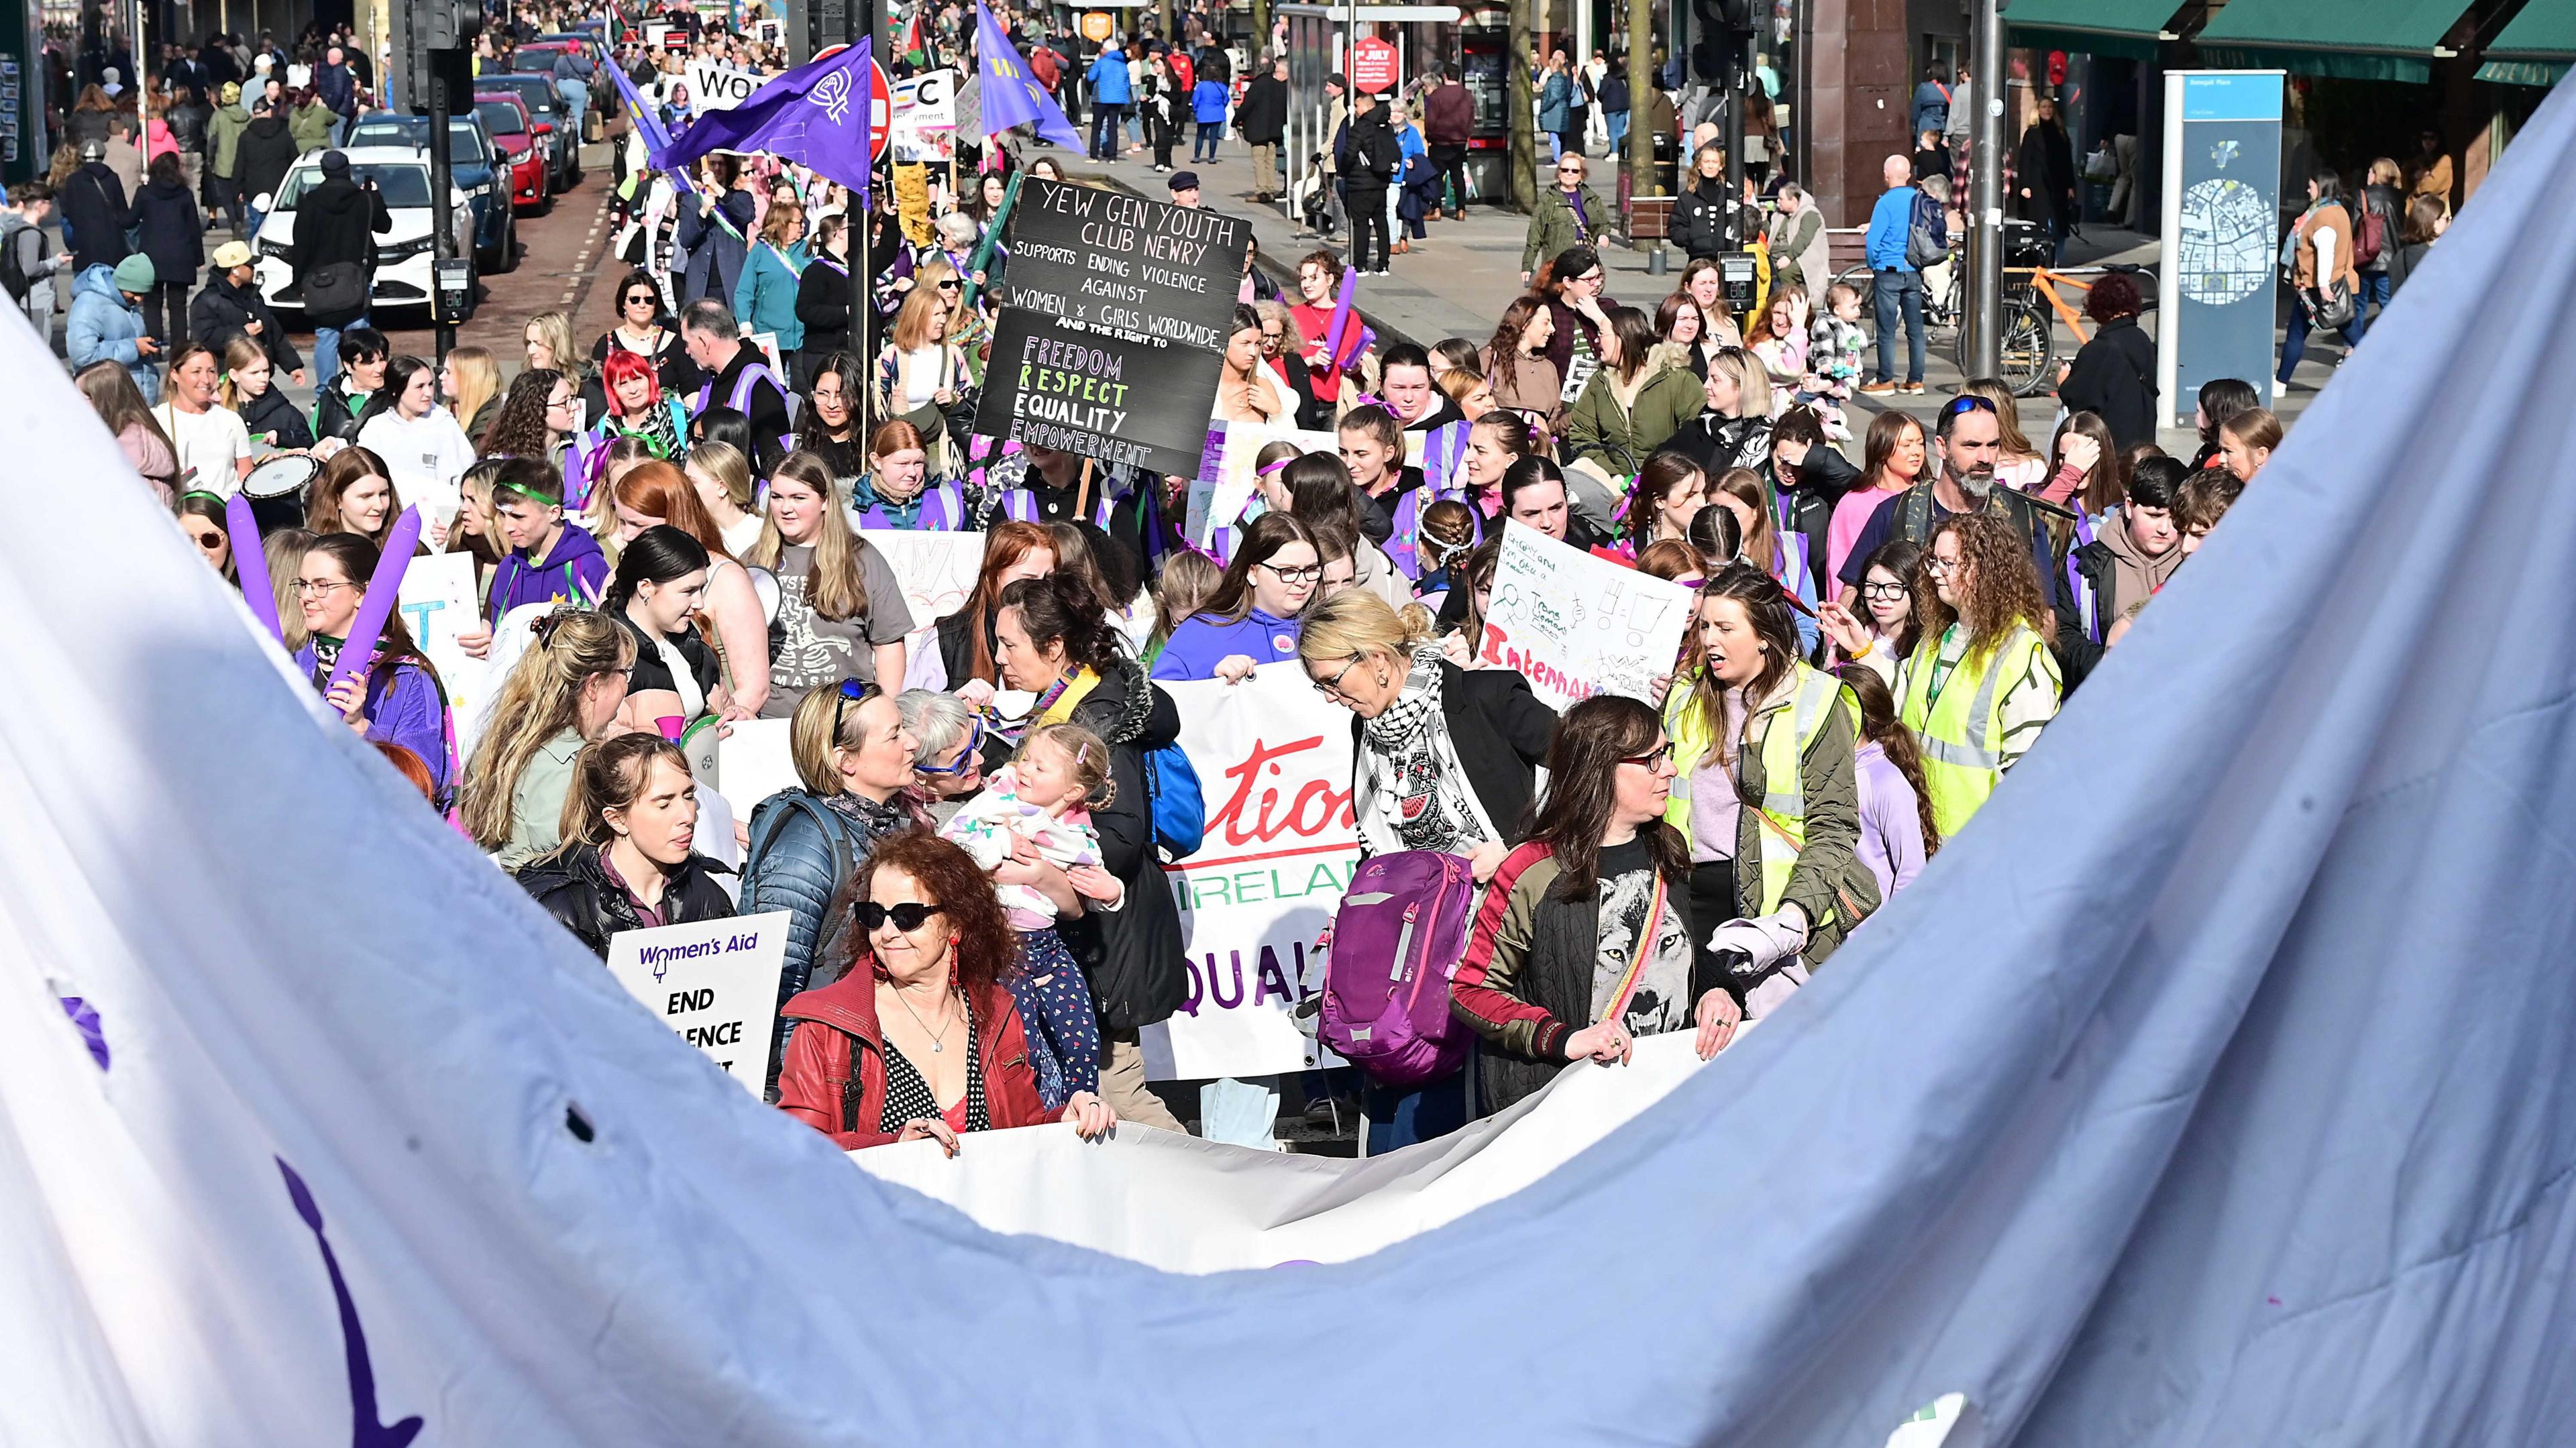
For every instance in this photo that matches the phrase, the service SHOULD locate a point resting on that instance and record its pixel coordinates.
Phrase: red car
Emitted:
(514, 132)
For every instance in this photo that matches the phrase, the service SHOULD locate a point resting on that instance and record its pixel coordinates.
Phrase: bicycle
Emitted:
(2032, 306)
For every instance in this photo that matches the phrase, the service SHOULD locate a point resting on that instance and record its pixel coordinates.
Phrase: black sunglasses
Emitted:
(852, 692)
(907, 917)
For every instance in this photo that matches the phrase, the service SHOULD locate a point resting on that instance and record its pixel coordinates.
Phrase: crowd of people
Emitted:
(670, 532)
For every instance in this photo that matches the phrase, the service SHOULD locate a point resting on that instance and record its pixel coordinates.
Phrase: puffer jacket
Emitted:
(804, 848)
(222, 311)
(573, 887)
(1132, 956)
(102, 327)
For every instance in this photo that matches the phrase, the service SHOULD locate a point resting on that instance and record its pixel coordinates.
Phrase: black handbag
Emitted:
(2330, 308)
(335, 287)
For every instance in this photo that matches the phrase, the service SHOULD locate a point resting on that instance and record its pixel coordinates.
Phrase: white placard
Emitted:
(1575, 625)
(713, 982)
(937, 571)
(437, 603)
(753, 762)
(1274, 765)
(926, 102)
(714, 87)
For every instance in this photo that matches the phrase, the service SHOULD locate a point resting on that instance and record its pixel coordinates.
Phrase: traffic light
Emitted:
(433, 38)
(1721, 30)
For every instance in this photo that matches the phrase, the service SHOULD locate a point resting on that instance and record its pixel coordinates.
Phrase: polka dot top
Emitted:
(908, 1096)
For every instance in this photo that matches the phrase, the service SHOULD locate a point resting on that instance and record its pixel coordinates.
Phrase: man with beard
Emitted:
(1969, 439)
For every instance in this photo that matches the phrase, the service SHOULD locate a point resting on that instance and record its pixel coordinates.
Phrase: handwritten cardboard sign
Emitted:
(1577, 625)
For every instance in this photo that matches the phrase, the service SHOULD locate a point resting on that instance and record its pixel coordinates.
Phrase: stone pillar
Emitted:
(1860, 89)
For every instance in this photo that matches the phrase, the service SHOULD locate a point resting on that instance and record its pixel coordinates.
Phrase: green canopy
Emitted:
(2535, 49)
(2128, 28)
(2354, 39)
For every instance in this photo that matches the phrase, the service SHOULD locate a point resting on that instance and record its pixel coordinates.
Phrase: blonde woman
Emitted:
(764, 296)
(563, 693)
(722, 476)
(471, 384)
(920, 372)
(841, 613)
(548, 340)
(274, 421)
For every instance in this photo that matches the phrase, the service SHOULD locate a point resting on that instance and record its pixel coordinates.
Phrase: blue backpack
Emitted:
(1180, 810)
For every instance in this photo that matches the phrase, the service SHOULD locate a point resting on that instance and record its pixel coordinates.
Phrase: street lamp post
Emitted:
(1985, 300)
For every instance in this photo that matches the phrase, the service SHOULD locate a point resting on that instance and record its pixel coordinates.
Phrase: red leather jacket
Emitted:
(813, 1081)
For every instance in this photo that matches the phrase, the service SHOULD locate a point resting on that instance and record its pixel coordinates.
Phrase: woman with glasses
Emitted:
(562, 693)
(420, 441)
(1252, 620)
(1054, 640)
(823, 296)
(639, 331)
(535, 419)
(1881, 632)
(1981, 682)
(1568, 217)
(948, 761)
(1282, 344)
(1584, 939)
(626, 862)
(764, 295)
(841, 612)
(1572, 284)
(917, 1039)
(1443, 759)
(396, 697)
(1774, 829)
(854, 761)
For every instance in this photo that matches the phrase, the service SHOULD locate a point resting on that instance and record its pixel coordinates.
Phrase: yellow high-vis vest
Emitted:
(1782, 814)
(1960, 730)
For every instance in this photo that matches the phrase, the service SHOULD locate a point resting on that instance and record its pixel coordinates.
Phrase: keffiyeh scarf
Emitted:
(1415, 770)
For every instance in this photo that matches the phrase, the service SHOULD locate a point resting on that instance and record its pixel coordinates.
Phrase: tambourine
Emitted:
(276, 490)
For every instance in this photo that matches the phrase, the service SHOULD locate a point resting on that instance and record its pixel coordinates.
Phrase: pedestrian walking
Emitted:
(1262, 120)
(334, 258)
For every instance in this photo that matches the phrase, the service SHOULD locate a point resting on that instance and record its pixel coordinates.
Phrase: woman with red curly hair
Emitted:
(918, 1038)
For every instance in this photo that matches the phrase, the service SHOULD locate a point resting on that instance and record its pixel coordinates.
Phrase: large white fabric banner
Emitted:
(937, 571)
(1274, 766)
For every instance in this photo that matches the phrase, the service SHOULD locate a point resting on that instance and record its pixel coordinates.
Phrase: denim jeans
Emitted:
(2295, 345)
(1104, 131)
(1897, 291)
(1203, 148)
(576, 99)
(326, 353)
(2378, 287)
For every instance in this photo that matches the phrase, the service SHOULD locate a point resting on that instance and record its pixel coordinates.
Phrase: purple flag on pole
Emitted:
(1011, 96)
(816, 114)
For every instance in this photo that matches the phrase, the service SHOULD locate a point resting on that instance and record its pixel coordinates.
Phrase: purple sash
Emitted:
(942, 511)
(741, 388)
(2087, 606)
(1444, 453)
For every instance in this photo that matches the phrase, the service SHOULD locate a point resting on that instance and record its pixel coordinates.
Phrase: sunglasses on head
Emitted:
(1968, 402)
(852, 692)
(907, 917)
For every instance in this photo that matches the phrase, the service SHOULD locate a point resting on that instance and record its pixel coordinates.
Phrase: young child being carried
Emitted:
(1834, 356)
(1036, 810)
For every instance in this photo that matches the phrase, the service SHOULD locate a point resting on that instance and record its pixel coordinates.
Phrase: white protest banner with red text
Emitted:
(1576, 625)
(1274, 765)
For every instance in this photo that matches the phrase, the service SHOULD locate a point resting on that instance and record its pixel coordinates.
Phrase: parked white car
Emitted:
(405, 277)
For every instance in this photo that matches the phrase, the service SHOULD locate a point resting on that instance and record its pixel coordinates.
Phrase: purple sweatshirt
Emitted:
(1204, 641)
(1891, 832)
(575, 569)
(403, 707)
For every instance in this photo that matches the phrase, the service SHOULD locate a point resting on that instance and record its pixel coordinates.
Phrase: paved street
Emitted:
(1459, 280)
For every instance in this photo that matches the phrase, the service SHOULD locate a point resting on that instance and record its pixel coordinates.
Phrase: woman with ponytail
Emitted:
(660, 585)
(1897, 831)
(564, 692)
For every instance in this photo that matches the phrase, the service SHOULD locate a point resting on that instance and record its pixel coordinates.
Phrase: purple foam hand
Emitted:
(250, 560)
(1341, 321)
(384, 591)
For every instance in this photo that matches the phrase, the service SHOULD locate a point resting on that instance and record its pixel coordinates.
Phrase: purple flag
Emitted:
(1011, 96)
(816, 114)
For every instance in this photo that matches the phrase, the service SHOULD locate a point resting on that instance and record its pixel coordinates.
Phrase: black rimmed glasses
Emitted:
(1882, 590)
(1660, 757)
(1332, 688)
(1309, 573)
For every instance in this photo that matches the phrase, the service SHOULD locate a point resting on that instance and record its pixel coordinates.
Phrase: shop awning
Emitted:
(2536, 49)
(2354, 39)
(2128, 28)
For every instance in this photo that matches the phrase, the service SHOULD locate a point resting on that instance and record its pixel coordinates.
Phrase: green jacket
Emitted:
(1619, 438)
(225, 133)
(1552, 227)
(310, 126)
(1830, 882)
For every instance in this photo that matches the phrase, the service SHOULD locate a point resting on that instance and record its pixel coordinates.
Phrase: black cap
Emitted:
(1339, 79)
(1183, 181)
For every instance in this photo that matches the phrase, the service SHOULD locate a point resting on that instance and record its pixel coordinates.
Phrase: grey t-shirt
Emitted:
(812, 649)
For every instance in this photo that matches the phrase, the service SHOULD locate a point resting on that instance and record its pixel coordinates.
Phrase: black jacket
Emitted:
(574, 889)
(2114, 376)
(823, 306)
(174, 234)
(94, 208)
(1366, 155)
(274, 411)
(267, 154)
(1699, 219)
(1263, 117)
(1132, 956)
(1500, 731)
(333, 415)
(1717, 443)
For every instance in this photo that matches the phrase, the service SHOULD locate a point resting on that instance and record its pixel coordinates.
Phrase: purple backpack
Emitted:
(1396, 940)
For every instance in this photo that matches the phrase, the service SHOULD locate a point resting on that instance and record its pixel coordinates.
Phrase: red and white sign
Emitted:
(1373, 65)
(880, 111)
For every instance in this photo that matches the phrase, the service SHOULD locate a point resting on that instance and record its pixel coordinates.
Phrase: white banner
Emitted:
(437, 604)
(714, 87)
(713, 982)
(1576, 625)
(1274, 765)
(926, 102)
(752, 763)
